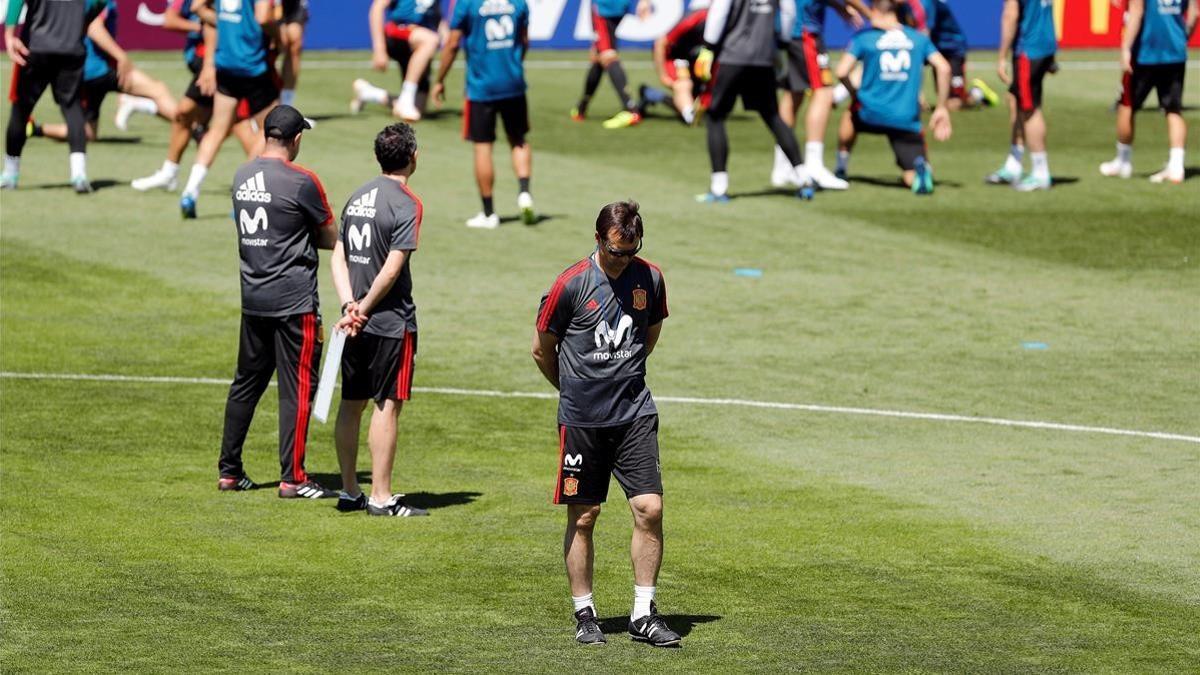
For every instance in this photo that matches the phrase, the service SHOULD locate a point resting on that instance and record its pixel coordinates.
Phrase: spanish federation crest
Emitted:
(639, 298)
(570, 486)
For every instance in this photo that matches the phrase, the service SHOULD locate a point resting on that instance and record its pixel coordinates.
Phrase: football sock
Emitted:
(583, 601)
(143, 105)
(1175, 160)
(523, 184)
(617, 74)
(843, 161)
(369, 93)
(488, 208)
(781, 161)
(78, 165)
(814, 154)
(1012, 163)
(408, 94)
(642, 597)
(287, 96)
(1124, 153)
(840, 93)
(195, 178)
(719, 184)
(12, 165)
(590, 84)
(169, 168)
(784, 136)
(718, 144)
(688, 114)
(1041, 165)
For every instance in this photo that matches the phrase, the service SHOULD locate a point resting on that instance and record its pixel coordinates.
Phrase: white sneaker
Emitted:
(826, 180)
(408, 113)
(782, 178)
(1116, 169)
(356, 103)
(124, 112)
(483, 222)
(525, 204)
(1167, 176)
(155, 181)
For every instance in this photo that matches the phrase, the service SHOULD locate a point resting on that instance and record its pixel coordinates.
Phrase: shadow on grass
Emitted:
(118, 140)
(680, 623)
(541, 218)
(1191, 172)
(899, 184)
(97, 185)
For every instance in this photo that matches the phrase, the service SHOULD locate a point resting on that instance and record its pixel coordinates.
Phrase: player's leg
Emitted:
(758, 94)
(1121, 166)
(391, 368)
(610, 60)
(591, 82)
(683, 97)
(479, 127)
(141, 85)
(1168, 81)
(789, 104)
(585, 463)
(28, 84)
(291, 34)
(187, 114)
(66, 86)
(224, 112)
(912, 158)
(345, 438)
(724, 95)
(423, 43)
(297, 361)
(847, 137)
(246, 135)
(255, 365)
(514, 114)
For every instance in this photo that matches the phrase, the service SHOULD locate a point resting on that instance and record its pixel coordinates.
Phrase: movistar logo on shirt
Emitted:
(253, 190)
(231, 11)
(1170, 6)
(364, 206)
(495, 7)
(613, 339)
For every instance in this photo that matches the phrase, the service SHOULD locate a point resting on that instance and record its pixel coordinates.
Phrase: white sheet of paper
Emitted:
(329, 373)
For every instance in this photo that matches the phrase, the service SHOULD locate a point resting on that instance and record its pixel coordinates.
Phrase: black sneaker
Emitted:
(396, 506)
(348, 504)
(653, 630)
(235, 484)
(309, 489)
(587, 631)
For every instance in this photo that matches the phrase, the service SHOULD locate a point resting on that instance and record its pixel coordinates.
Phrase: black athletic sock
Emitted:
(488, 208)
(590, 84)
(14, 140)
(621, 83)
(785, 138)
(718, 144)
(523, 184)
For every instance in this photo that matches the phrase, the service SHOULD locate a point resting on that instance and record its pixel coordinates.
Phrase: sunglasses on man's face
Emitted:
(622, 253)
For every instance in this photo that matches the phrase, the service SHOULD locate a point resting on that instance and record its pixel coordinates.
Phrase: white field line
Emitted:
(568, 64)
(688, 400)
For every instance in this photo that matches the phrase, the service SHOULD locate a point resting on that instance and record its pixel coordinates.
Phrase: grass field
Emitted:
(796, 539)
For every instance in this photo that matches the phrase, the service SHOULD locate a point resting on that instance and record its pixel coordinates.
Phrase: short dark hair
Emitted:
(395, 147)
(624, 217)
(884, 5)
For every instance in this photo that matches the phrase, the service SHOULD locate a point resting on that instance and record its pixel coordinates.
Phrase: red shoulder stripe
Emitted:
(320, 189)
(688, 23)
(556, 291)
(420, 208)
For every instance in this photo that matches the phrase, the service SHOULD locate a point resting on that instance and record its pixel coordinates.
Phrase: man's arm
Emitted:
(379, 57)
(17, 51)
(844, 68)
(940, 120)
(206, 81)
(445, 62)
(787, 20)
(714, 27)
(264, 14)
(327, 236)
(105, 42)
(1193, 19)
(1008, 33)
(174, 21)
(545, 355)
(351, 321)
(205, 11)
(652, 337)
(383, 282)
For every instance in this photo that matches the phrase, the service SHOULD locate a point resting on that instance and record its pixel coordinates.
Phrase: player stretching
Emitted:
(243, 76)
(48, 53)
(742, 35)
(406, 32)
(606, 17)
(1027, 31)
(195, 108)
(293, 16)
(371, 272)
(808, 70)
(1153, 56)
(674, 56)
(108, 68)
(596, 327)
(496, 37)
(934, 18)
(889, 100)
(282, 219)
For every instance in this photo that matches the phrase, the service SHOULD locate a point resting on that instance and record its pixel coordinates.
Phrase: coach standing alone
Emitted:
(282, 218)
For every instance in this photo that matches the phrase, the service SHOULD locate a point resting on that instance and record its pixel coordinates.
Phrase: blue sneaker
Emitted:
(8, 181)
(923, 180)
(806, 193)
(710, 198)
(187, 207)
(1002, 177)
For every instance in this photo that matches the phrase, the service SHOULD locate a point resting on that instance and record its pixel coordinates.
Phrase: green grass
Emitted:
(795, 540)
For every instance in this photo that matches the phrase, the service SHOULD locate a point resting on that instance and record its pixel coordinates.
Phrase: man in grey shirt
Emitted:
(282, 217)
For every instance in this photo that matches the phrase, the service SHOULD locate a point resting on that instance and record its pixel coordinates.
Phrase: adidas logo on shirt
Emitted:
(364, 206)
(253, 190)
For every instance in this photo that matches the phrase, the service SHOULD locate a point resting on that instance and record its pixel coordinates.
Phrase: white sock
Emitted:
(814, 155)
(12, 165)
(976, 95)
(408, 94)
(287, 96)
(843, 161)
(169, 168)
(1041, 165)
(1175, 160)
(1012, 163)
(143, 105)
(78, 165)
(781, 161)
(1124, 153)
(840, 93)
(801, 174)
(719, 184)
(642, 597)
(372, 94)
(195, 178)
(583, 601)
(688, 114)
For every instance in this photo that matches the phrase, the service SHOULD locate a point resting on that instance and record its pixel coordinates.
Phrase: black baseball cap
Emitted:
(284, 122)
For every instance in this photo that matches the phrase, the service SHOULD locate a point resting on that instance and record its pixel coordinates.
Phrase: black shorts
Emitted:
(62, 73)
(906, 145)
(479, 120)
(254, 94)
(587, 456)
(94, 91)
(755, 85)
(294, 11)
(193, 89)
(958, 76)
(1166, 79)
(605, 29)
(379, 368)
(399, 51)
(1027, 80)
(807, 64)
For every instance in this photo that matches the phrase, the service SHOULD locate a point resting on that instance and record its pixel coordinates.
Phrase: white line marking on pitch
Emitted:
(690, 400)
(570, 64)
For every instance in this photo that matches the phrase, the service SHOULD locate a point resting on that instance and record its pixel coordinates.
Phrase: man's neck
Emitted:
(398, 177)
(611, 273)
(886, 21)
(270, 152)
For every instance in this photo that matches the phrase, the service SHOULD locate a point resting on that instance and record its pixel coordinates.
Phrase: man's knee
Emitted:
(647, 510)
(608, 57)
(583, 516)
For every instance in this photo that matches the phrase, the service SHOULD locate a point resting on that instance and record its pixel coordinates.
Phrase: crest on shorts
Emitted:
(570, 487)
(639, 298)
